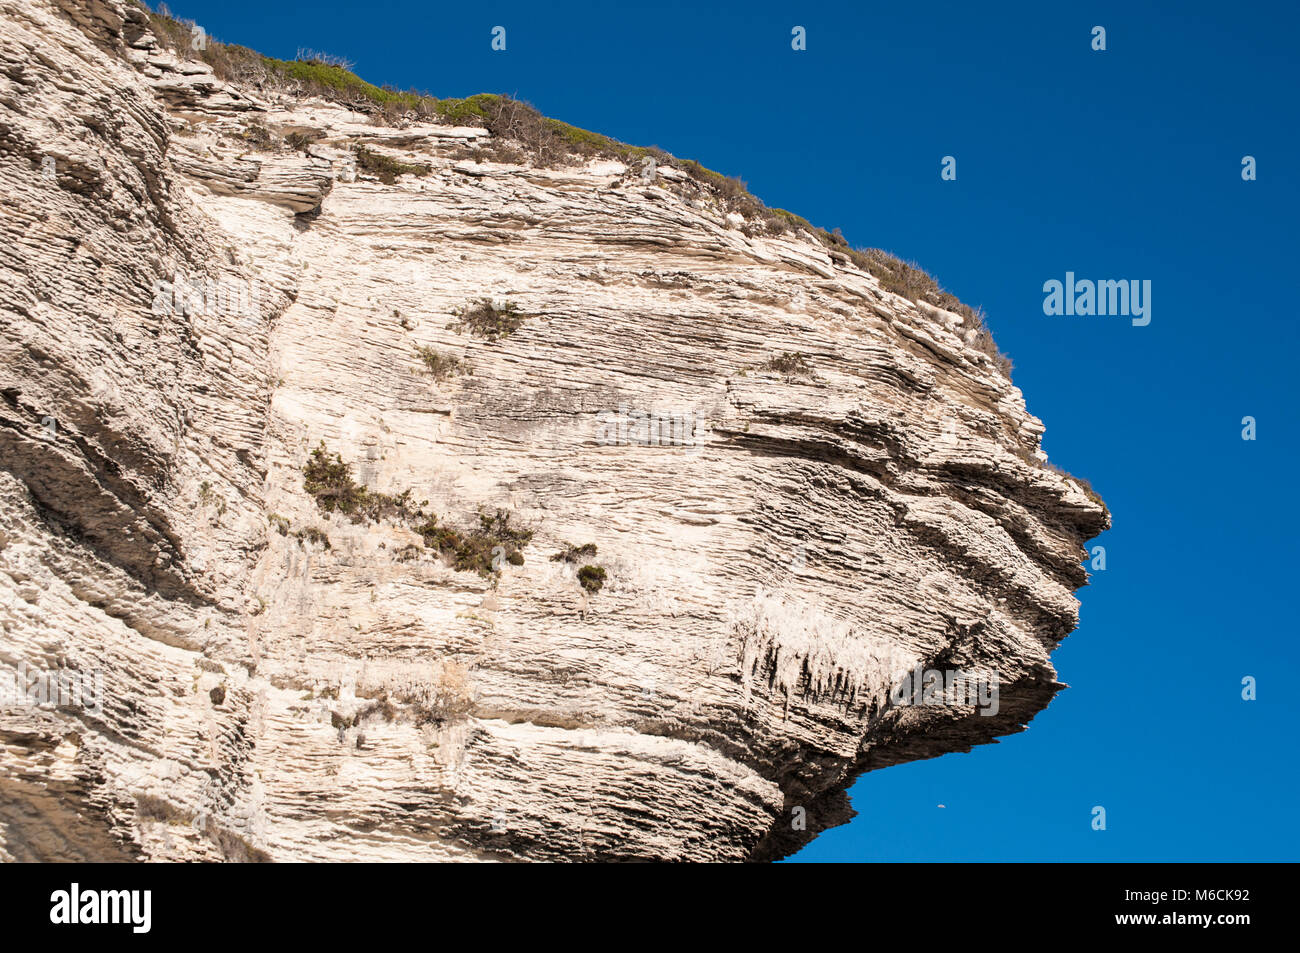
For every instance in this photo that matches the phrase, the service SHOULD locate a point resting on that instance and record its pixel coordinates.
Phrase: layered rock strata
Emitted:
(188, 309)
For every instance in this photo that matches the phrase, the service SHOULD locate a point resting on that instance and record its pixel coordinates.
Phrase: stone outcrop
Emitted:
(189, 307)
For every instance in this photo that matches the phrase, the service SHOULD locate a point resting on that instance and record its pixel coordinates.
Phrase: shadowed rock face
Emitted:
(281, 682)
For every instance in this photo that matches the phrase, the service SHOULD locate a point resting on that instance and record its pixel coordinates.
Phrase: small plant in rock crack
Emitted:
(408, 553)
(484, 319)
(299, 141)
(441, 364)
(592, 578)
(329, 480)
(385, 168)
(280, 523)
(789, 365)
(312, 534)
(258, 135)
(573, 554)
(478, 549)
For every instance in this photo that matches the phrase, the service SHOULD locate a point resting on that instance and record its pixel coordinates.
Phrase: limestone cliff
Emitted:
(797, 484)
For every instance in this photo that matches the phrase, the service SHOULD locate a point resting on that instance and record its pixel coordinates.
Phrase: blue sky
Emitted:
(1117, 164)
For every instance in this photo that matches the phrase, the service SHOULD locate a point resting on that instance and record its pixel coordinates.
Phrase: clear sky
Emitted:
(1125, 163)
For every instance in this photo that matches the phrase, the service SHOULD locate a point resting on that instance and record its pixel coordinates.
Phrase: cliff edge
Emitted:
(373, 489)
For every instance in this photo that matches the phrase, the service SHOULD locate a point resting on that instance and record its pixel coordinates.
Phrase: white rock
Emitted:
(375, 703)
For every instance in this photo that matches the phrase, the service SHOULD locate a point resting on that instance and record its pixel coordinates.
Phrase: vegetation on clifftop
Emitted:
(550, 142)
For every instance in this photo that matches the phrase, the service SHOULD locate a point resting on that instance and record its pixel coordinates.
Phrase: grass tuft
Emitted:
(481, 548)
(329, 480)
(484, 319)
(440, 364)
(386, 168)
(573, 554)
(790, 365)
(592, 578)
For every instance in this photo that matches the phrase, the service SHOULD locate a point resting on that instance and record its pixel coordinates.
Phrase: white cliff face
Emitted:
(281, 682)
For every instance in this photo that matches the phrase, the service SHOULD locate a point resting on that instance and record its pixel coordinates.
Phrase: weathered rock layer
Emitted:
(284, 682)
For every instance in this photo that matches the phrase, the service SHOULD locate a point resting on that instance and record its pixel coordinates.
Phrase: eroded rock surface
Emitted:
(282, 682)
